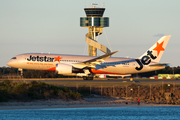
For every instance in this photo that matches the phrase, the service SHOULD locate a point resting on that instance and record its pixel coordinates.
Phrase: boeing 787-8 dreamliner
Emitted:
(90, 66)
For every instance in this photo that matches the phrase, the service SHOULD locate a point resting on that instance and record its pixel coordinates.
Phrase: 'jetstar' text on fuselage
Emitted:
(40, 59)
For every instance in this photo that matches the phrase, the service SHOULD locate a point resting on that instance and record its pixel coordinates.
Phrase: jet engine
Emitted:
(62, 68)
(67, 69)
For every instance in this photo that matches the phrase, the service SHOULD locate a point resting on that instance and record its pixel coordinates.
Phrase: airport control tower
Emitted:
(95, 22)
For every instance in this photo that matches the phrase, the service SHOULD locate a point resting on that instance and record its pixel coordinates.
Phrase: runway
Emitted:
(113, 81)
(75, 80)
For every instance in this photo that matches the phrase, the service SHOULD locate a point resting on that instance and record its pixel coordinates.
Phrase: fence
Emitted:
(165, 93)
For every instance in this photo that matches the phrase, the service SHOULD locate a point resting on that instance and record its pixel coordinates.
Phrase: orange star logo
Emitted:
(57, 59)
(159, 48)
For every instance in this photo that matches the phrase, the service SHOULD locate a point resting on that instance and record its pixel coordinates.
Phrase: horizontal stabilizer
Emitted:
(158, 65)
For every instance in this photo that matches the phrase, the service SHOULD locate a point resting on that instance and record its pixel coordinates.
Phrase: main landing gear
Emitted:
(89, 75)
(87, 78)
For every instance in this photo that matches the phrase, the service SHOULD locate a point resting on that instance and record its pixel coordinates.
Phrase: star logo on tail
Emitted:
(159, 48)
(57, 59)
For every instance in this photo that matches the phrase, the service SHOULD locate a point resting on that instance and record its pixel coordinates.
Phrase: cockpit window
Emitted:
(14, 58)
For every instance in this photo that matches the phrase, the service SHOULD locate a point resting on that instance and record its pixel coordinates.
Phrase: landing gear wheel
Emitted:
(87, 78)
(90, 78)
(84, 78)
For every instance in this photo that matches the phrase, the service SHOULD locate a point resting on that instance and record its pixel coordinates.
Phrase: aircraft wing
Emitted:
(102, 66)
(93, 62)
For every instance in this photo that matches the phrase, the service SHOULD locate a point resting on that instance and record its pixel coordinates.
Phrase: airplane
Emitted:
(89, 66)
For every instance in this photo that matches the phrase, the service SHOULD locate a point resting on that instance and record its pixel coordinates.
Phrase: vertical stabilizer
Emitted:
(157, 50)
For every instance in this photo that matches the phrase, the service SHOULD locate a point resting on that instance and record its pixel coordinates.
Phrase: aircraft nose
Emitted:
(10, 63)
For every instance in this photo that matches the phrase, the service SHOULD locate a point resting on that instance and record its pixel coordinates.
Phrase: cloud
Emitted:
(158, 35)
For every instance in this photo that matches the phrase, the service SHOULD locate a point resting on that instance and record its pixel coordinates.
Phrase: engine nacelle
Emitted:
(102, 76)
(62, 68)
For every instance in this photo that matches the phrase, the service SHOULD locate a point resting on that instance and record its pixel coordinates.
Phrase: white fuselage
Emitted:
(47, 62)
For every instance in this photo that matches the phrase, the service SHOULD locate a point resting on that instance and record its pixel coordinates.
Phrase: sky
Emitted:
(53, 26)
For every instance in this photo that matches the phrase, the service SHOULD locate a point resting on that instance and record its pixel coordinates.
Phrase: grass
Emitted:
(105, 83)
